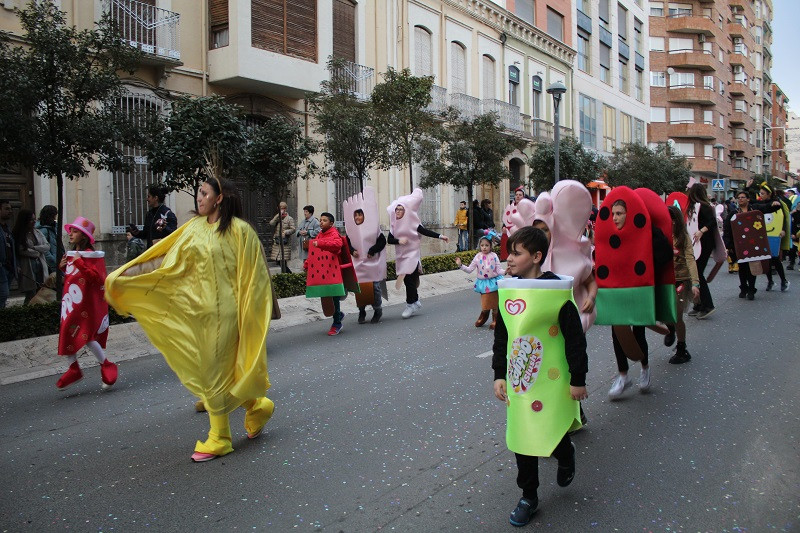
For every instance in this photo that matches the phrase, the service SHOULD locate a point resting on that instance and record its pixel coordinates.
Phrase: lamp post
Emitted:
(719, 148)
(557, 90)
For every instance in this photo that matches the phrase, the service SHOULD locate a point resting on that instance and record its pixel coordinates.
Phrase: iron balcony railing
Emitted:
(468, 106)
(508, 114)
(359, 79)
(438, 105)
(151, 29)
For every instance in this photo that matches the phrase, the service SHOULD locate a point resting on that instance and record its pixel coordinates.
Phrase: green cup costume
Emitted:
(541, 410)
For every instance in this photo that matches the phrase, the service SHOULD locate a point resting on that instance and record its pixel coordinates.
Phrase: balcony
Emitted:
(150, 29)
(741, 145)
(767, 50)
(739, 88)
(741, 174)
(359, 80)
(468, 106)
(691, 95)
(767, 26)
(438, 105)
(707, 166)
(693, 59)
(743, 119)
(690, 24)
(508, 114)
(692, 130)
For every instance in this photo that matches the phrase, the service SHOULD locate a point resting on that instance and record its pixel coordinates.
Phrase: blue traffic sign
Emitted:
(718, 185)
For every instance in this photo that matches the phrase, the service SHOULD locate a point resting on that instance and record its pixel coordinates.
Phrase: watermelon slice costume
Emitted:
(682, 201)
(540, 409)
(624, 263)
(666, 305)
(329, 267)
(84, 311)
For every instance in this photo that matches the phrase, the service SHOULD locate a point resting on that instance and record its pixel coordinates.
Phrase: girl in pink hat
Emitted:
(84, 311)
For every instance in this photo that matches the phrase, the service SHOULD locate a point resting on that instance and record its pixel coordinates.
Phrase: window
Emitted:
(488, 78)
(458, 68)
(555, 24)
(605, 63)
(584, 6)
(423, 55)
(686, 149)
(627, 128)
(637, 35)
(536, 83)
(584, 57)
(513, 85)
(677, 10)
(623, 77)
(657, 44)
(218, 23)
(622, 22)
(677, 45)
(708, 117)
(344, 30)
(288, 27)
(721, 121)
(708, 82)
(658, 114)
(587, 120)
(707, 48)
(609, 128)
(602, 14)
(708, 151)
(524, 10)
(638, 131)
(640, 85)
(656, 9)
(740, 134)
(681, 115)
(681, 79)
(757, 34)
(658, 79)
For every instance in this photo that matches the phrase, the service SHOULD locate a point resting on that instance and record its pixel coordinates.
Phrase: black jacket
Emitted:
(152, 230)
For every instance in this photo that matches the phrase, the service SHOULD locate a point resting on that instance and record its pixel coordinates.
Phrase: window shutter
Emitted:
(344, 30)
(458, 74)
(268, 25)
(488, 78)
(217, 13)
(285, 26)
(423, 61)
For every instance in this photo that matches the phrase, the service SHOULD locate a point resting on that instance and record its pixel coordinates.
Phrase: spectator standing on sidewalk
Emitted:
(8, 252)
(31, 249)
(462, 224)
(282, 240)
(47, 225)
(159, 221)
(307, 230)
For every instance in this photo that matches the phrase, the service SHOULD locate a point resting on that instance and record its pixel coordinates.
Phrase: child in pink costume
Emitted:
(404, 234)
(489, 273)
(565, 211)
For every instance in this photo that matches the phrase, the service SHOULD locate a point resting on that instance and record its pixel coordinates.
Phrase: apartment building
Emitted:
(611, 73)
(775, 150)
(709, 83)
(793, 148)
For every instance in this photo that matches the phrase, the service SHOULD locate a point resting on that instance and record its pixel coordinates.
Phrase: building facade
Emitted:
(778, 161)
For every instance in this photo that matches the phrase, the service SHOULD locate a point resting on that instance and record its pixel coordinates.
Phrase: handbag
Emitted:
(306, 242)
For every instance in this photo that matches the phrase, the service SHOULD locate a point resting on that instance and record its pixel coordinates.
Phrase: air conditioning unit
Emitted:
(701, 38)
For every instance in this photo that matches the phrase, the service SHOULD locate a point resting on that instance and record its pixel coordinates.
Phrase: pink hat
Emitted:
(84, 225)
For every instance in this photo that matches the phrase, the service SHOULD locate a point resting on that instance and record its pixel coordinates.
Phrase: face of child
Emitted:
(325, 223)
(358, 217)
(544, 227)
(399, 212)
(521, 263)
(485, 246)
(75, 236)
(618, 215)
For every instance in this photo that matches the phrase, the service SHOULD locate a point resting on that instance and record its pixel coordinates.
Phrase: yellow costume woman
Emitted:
(203, 297)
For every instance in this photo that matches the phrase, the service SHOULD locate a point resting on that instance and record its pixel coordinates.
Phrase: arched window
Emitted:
(488, 77)
(423, 52)
(458, 68)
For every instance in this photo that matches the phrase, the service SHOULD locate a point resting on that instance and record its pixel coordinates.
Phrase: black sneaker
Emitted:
(669, 338)
(770, 285)
(751, 295)
(693, 312)
(362, 315)
(524, 511)
(680, 357)
(566, 472)
(784, 285)
(742, 294)
(376, 316)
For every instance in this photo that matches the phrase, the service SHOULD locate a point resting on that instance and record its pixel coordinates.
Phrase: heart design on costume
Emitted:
(515, 307)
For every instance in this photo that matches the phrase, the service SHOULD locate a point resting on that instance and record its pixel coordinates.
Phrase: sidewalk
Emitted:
(36, 357)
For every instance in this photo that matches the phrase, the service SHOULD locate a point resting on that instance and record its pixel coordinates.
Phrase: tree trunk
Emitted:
(471, 214)
(410, 175)
(59, 241)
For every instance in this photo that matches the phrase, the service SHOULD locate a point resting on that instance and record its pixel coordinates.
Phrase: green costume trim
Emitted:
(541, 410)
(631, 306)
(318, 291)
(666, 304)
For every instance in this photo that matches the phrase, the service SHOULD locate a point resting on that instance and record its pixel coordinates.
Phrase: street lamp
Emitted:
(719, 147)
(557, 90)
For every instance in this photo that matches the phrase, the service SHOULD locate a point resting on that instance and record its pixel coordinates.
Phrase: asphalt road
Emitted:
(394, 427)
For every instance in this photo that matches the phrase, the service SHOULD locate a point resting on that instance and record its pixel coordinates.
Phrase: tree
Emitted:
(201, 138)
(351, 139)
(400, 115)
(575, 163)
(60, 113)
(662, 169)
(468, 153)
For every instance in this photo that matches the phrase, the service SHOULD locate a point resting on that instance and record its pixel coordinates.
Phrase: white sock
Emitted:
(72, 359)
(94, 347)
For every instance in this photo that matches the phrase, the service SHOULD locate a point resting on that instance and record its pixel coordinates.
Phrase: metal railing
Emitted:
(359, 79)
(151, 29)
(508, 114)
(468, 106)
(438, 105)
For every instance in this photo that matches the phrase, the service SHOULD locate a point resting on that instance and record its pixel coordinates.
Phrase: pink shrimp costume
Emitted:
(566, 211)
(407, 258)
(519, 216)
(363, 236)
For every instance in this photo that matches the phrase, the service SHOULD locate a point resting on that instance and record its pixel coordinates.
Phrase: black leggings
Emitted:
(706, 303)
(619, 353)
(747, 281)
(776, 263)
(528, 467)
(411, 281)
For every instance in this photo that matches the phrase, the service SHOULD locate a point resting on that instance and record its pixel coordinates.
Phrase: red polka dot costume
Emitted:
(666, 306)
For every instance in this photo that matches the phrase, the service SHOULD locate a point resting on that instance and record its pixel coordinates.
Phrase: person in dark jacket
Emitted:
(8, 254)
(706, 223)
(159, 221)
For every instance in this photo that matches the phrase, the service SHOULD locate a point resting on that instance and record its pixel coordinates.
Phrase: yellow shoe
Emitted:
(214, 445)
(257, 417)
(199, 406)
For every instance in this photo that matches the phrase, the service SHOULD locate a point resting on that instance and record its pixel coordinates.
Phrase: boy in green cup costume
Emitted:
(540, 364)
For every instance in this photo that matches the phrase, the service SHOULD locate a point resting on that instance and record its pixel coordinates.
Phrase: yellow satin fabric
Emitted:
(206, 308)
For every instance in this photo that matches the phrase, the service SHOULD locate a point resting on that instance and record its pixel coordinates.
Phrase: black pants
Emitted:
(528, 467)
(411, 281)
(747, 281)
(775, 263)
(792, 255)
(706, 303)
(619, 353)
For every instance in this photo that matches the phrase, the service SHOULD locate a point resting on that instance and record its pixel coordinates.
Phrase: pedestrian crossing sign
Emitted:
(718, 185)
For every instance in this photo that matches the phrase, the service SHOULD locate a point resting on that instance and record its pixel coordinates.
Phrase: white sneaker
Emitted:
(417, 305)
(409, 310)
(644, 380)
(618, 386)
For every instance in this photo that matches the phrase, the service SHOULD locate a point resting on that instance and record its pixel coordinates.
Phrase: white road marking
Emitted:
(484, 354)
